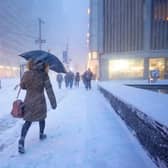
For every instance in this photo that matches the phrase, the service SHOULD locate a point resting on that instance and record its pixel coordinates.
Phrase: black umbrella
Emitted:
(38, 55)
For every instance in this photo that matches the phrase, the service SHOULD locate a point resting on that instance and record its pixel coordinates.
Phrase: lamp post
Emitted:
(40, 41)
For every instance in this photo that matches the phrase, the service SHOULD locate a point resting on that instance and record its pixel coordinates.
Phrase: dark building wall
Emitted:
(123, 25)
(125, 29)
(159, 32)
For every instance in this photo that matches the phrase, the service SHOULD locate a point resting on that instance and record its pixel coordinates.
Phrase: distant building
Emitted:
(129, 37)
(17, 34)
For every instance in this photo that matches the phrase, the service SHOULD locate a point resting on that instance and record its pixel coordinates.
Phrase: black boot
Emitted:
(43, 136)
(21, 146)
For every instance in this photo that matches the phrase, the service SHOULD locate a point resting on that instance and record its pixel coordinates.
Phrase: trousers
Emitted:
(27, 125)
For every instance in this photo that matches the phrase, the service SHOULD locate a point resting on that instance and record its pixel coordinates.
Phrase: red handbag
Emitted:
(18, 107)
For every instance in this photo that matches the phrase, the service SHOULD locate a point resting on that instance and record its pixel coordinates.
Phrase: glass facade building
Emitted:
(134, 40)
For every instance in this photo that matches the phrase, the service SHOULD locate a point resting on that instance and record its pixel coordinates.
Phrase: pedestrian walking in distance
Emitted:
(87, 79)
(59, 80)
(66, 80)
(77, 79)
(70, 79)
(34, 81)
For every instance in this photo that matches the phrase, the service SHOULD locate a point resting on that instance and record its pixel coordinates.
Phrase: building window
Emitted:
(159, 36)
(126, 68)
(157, 64)
(123, 26)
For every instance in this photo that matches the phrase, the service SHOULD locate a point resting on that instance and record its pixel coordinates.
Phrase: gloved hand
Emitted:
(54, 105)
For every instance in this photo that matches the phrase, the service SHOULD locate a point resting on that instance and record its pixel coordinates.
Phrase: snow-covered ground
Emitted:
(164, 82)
(152, 103)
(83, 132)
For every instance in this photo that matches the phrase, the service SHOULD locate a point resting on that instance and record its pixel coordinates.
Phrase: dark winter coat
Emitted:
(70, 76)
(77, 77)
(88, 76)
(59, 78)
(34, 82)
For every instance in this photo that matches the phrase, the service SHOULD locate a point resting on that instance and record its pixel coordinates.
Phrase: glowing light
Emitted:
(94, 55)
(8, 67)
(71, 68)
(137, 69)
(15, 68)
(126, 68)
(88, 11)
(119, 65)
(89, 54)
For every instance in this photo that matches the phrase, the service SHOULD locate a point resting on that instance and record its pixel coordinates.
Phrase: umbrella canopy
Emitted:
(38, 55)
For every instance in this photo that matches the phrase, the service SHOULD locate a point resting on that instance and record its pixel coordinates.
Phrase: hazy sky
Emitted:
(65, 21)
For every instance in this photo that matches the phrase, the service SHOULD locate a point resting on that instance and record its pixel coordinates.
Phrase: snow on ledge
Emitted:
(151, 103)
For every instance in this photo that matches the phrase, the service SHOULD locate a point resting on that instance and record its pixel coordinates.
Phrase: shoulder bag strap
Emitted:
(18, 93)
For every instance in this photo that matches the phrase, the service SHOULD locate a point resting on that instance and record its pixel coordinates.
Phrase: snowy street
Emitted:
(83, 132)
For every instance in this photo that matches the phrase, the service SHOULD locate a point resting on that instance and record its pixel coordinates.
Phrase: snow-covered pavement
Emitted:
(83, 132)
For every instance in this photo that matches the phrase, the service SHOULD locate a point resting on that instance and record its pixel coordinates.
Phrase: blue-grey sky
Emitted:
(65, 21)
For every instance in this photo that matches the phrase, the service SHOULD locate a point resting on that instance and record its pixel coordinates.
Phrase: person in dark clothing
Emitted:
(87, 79)
(66, 80)
(83, 79)
(77, 79)
(70, 78)
(34, 81)
(59, 80)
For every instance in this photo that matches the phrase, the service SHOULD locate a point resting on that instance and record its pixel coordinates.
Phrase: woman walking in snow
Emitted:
(35, 80)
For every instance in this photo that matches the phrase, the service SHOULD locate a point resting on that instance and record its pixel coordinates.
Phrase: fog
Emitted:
(64, 22)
